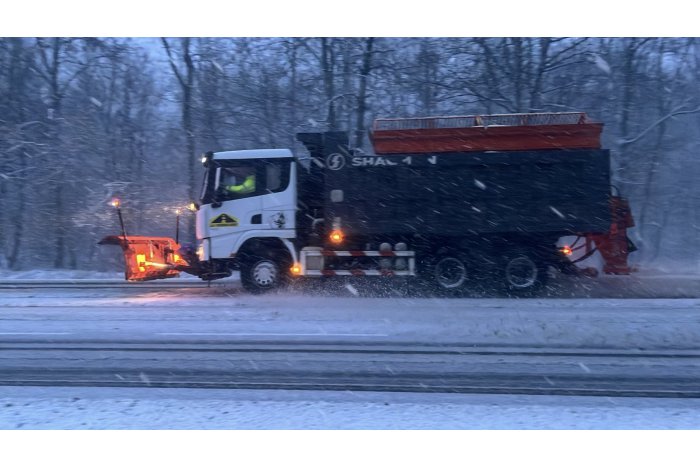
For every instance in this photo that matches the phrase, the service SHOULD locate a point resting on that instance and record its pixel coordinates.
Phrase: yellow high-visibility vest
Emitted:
(248, 186)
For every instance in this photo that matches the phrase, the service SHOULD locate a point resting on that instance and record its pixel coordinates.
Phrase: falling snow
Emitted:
(559, 214)
(601, 64)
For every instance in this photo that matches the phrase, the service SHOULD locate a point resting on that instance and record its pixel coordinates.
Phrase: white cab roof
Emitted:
(253, 154)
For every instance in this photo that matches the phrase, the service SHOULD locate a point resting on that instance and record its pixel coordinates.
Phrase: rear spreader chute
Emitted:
(614, 245)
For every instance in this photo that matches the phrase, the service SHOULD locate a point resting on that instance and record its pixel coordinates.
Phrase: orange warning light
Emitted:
(295, 269)
(336, 236)
(115, 202)
(566, 250)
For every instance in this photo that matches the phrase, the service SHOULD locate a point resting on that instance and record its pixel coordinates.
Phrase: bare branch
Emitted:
(171, 60)
(675, 112)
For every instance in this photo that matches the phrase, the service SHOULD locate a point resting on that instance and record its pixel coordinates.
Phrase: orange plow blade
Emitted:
(149, 257)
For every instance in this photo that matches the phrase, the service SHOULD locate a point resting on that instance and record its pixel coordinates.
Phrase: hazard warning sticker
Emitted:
(224, 220)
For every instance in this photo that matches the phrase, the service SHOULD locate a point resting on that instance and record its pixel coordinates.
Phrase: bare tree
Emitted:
(59, 64)
(184, 70)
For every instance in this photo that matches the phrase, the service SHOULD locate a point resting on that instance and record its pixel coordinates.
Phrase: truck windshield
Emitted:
(236, 179)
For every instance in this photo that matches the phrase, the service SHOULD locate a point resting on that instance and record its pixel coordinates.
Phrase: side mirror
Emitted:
(219, 195)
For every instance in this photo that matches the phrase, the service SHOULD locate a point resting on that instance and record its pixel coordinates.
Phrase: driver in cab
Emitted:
(239, 181)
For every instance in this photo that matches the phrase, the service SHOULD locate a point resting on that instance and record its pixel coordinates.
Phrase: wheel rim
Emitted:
(521, 272)
(265, 273)
(450, 273)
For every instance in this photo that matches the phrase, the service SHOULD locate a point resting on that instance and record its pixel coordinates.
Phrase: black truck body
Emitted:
(453, 195)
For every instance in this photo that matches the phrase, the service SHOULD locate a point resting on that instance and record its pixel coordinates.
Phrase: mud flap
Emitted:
(149, 257)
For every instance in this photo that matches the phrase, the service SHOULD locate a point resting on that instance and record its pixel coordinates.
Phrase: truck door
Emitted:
(237, 207)
(279, 199)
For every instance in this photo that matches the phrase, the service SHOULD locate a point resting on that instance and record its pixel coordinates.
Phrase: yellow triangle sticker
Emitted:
(223, 220)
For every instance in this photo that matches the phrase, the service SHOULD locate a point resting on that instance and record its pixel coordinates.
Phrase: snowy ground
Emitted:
(153, 408)
(455, 429)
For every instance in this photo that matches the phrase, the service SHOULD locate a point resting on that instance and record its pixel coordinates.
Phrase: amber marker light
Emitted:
(295, 269)
(116, 203)
(336, 236)
(566, 250)
(141, 262)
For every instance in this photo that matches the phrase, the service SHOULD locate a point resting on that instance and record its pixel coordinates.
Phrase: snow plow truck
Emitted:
(447, 200)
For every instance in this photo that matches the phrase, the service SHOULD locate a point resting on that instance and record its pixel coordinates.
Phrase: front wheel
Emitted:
(260, 274)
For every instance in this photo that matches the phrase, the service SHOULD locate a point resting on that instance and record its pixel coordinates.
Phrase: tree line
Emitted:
(86, 119)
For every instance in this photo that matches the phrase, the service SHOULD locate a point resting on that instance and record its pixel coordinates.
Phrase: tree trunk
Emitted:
(327, 65)
(17, 82)
(186, 81)
(362, 92)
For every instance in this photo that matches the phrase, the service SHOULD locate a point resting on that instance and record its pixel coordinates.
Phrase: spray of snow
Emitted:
(144, 378)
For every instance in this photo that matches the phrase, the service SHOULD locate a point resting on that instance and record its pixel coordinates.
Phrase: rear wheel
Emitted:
(263, 273)
(523, 272)
(449, 273)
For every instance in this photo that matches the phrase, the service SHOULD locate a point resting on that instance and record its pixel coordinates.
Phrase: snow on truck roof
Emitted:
(254, 154)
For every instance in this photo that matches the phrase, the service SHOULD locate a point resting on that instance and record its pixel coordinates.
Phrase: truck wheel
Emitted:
(260, 274)
(449, 273)
(523, 272)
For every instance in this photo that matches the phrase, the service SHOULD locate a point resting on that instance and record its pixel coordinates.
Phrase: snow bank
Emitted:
(58, 274)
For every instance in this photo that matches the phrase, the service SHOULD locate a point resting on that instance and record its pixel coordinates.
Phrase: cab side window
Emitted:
(252, 178)
(277, 176)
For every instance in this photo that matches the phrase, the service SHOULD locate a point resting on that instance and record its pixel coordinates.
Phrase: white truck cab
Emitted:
(249, 203)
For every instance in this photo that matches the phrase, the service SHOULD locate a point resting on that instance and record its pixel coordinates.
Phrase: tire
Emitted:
(449, 273)
(261, 274)
(522, 272)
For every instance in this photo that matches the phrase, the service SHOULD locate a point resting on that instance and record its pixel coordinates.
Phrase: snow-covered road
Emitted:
(225, 313)
(47, 322)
